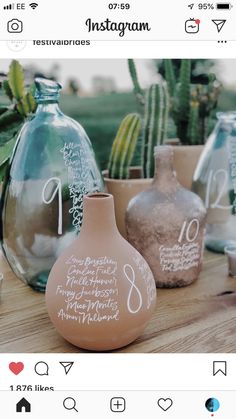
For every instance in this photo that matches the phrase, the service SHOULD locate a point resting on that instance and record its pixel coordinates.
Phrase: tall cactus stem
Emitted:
(193, 126)
(155, 124)
(136, 85)
(185, 87)
(124, 146)
(170, 76)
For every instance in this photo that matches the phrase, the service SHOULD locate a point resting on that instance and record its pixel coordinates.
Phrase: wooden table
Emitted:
(198, 318)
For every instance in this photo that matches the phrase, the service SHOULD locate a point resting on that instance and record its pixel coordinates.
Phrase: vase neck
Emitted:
(164, 172)
(47, 95)
(49, 107)
(98, 216)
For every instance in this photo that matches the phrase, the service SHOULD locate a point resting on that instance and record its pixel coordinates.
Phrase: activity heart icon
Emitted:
(16, 367)
(165, 404)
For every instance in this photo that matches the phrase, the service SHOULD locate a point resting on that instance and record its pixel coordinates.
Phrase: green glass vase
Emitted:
(52, 168)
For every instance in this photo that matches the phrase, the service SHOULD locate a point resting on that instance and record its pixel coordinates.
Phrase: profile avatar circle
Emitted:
(212, 405)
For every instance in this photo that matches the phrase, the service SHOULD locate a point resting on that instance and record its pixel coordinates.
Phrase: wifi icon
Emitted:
(33, 5)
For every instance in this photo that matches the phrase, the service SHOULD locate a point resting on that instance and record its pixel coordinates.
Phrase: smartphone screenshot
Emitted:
(117, 209)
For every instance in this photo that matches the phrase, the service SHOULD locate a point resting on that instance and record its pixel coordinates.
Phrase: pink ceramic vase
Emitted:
(101, 292)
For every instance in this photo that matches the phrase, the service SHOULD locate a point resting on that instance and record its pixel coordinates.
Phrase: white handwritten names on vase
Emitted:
(147, 276)
(179, 257)
(80, 181)
(182, 256)
(232, 168)
(90, 291)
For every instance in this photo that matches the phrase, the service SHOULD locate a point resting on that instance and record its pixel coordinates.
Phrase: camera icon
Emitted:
(15, 26)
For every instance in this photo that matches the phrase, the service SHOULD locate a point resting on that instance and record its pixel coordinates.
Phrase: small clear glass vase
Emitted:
(215, 181)
(52, 168)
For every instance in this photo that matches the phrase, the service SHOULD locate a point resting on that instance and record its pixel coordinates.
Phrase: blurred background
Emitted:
(99, 93)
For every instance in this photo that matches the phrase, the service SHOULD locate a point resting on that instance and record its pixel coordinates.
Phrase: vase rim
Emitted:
(163, 148)
(226, 115)
(132, 180)
(98, 195)
(46, 90)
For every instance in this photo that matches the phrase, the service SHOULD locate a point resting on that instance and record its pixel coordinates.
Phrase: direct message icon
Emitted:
(67, 366)
(219, 24)
(219, 367)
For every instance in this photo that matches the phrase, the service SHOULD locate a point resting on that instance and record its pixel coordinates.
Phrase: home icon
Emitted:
(23, 406)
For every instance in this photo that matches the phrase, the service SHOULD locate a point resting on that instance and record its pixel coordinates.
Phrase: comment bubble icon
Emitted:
(41, 368)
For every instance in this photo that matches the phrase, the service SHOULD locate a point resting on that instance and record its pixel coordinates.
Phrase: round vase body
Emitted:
(166, 224)
(101, 292)
(53, 166)
(215, 182)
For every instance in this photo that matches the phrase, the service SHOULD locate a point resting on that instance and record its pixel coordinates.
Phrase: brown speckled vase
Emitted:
(101, 292)
(166, 224)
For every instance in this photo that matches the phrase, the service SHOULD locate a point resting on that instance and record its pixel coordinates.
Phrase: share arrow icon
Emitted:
(67, 366)
(219, 23)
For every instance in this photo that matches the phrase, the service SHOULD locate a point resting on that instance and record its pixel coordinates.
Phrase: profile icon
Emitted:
(212, 405)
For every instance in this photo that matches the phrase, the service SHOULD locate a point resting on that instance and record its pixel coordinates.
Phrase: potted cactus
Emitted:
(193, 100)
(190, 102)
(12, 117)
(122, 180)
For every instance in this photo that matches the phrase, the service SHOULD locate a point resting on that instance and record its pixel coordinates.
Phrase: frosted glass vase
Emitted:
(215, 182)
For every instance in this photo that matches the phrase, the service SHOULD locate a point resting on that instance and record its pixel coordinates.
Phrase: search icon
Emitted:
(70, 404)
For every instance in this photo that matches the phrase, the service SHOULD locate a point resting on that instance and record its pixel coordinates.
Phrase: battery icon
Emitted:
(223, 6)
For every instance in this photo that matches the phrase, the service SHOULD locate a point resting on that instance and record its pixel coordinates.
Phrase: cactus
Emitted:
(7, 89)
(155, 124)
(16, 80)
(193, 127)
(184, 87)
(170, 76)
(137, 88)
(15, 89)
(123, 147)
(183, 100)
(192, 100)
(13, 116)
(156, 112)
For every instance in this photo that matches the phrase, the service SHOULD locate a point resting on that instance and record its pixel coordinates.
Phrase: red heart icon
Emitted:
(16, 367)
